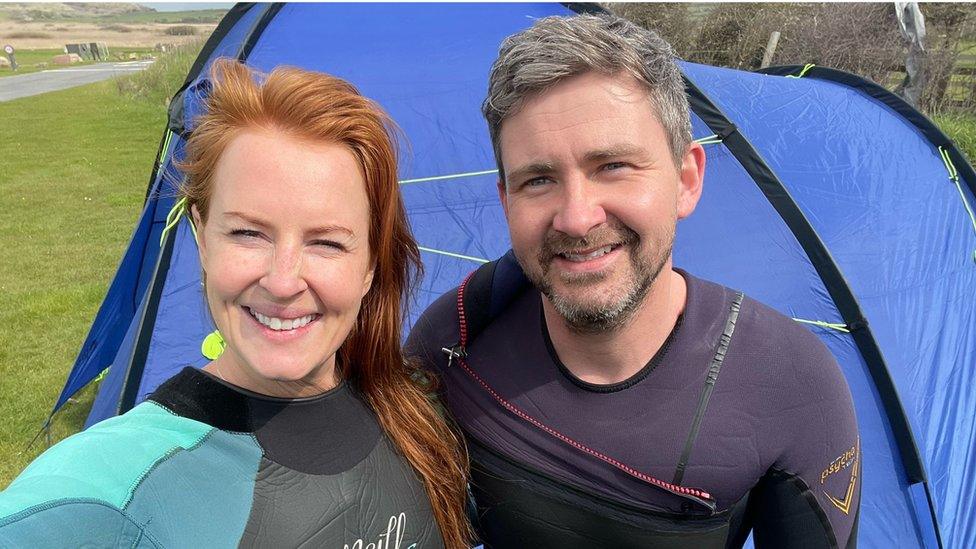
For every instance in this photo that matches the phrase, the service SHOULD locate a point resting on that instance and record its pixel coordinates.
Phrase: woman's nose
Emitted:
(284, 278)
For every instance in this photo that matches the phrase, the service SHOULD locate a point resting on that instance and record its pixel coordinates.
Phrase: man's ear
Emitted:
(503, 195)
(692, 175)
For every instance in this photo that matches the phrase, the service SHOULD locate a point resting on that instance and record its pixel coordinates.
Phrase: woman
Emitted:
(308, 429)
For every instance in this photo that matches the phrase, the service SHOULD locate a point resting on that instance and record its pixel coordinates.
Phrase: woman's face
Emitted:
(285, 249)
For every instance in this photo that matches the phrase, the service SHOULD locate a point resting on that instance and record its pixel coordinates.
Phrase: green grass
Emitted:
(40, 59)
(157, 84)
(71, 189)
(961, 127)
(211, 16)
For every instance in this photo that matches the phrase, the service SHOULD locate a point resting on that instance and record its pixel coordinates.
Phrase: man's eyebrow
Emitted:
(614, 151)
(533, 168)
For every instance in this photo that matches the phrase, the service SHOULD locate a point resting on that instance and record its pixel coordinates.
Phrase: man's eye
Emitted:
(537, 182)
(614, 166)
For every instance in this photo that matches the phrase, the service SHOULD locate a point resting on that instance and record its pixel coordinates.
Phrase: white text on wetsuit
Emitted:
(390, 540)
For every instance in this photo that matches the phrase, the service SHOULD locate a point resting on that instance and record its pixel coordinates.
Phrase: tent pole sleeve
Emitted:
(230, 20)
(784, 204)
(254, 34)
(591, 8)
(928, 128)
(136, 364)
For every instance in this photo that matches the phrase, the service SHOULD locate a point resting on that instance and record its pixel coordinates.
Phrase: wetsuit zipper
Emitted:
(458, 353)
(582, 492)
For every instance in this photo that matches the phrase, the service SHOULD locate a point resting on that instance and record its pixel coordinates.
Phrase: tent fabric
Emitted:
(826, 199)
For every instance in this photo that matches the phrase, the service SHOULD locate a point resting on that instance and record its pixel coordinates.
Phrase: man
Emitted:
(609, 400)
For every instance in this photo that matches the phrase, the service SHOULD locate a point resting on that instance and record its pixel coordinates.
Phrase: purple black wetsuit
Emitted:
(742, 420)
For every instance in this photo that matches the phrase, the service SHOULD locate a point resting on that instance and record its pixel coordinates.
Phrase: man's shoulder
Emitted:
(775, 344)
(436, 327)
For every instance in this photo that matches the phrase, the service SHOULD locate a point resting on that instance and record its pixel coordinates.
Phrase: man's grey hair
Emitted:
(556, 48)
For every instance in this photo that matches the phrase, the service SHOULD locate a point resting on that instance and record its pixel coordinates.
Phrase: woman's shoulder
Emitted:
(105, 472)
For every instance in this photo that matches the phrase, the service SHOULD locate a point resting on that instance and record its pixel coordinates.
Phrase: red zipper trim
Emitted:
(673, 488)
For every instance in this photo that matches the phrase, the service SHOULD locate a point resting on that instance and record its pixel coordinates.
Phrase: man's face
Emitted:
(592, 196)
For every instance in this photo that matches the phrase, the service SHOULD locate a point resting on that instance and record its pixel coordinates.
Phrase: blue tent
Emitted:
(825, 197)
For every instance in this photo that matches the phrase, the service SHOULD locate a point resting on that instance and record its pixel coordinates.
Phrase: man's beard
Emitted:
(592, 317)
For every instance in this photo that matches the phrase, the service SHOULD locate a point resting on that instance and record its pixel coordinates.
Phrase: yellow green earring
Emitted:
(213, 345)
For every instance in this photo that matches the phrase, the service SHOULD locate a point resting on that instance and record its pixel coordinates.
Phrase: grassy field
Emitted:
(71, 190)
(106, 14)
(34, 60)
(195, 16)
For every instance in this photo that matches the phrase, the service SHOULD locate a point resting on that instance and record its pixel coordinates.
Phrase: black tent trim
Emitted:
(257, 30)
(137, 359)
(784, 204)
(176, 122)
(830, 274)
(147, 321)
(924, 124)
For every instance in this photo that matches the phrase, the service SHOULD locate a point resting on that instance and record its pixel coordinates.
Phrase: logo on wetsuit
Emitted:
(390, 539)
(848, 460)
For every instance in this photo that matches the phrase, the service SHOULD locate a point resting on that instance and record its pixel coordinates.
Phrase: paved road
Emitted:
(14, 87)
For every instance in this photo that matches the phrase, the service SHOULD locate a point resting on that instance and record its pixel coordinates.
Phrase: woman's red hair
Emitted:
(321, 108)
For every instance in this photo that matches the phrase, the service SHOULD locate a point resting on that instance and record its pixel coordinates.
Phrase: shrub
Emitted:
(181, 30)
(28, 34)
(115, 27)
(159, 82)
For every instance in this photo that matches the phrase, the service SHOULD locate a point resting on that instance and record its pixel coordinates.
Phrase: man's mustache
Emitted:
(557, 243)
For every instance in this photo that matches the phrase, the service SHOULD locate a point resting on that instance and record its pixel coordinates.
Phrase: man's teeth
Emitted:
(587, 257)
(282, 324)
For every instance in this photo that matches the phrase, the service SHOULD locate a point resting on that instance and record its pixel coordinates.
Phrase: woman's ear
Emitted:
(199, 234)
(368, 279)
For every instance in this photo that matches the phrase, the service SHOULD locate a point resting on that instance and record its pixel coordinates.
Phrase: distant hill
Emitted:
(37, 11)
(31, 12)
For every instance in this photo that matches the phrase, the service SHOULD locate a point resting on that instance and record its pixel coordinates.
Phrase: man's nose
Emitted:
(581, 209)
(284, 278)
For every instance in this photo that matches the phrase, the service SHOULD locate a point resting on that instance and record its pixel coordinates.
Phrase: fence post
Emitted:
(770, 49)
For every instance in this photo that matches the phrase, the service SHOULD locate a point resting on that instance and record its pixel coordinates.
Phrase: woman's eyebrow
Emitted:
(245, 217)
(321, 229)
(326, 229)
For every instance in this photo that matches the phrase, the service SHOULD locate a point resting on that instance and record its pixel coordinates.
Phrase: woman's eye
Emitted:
(245, 233)
(330, 244)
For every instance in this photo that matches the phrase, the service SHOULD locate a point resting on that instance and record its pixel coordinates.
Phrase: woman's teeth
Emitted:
(587, 257)
(279, 324)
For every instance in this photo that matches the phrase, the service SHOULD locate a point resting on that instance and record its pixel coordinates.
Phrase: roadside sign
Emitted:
(9, 50)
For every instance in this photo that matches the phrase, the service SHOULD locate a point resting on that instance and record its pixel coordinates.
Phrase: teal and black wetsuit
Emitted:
(742, 421)
(205, 464)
